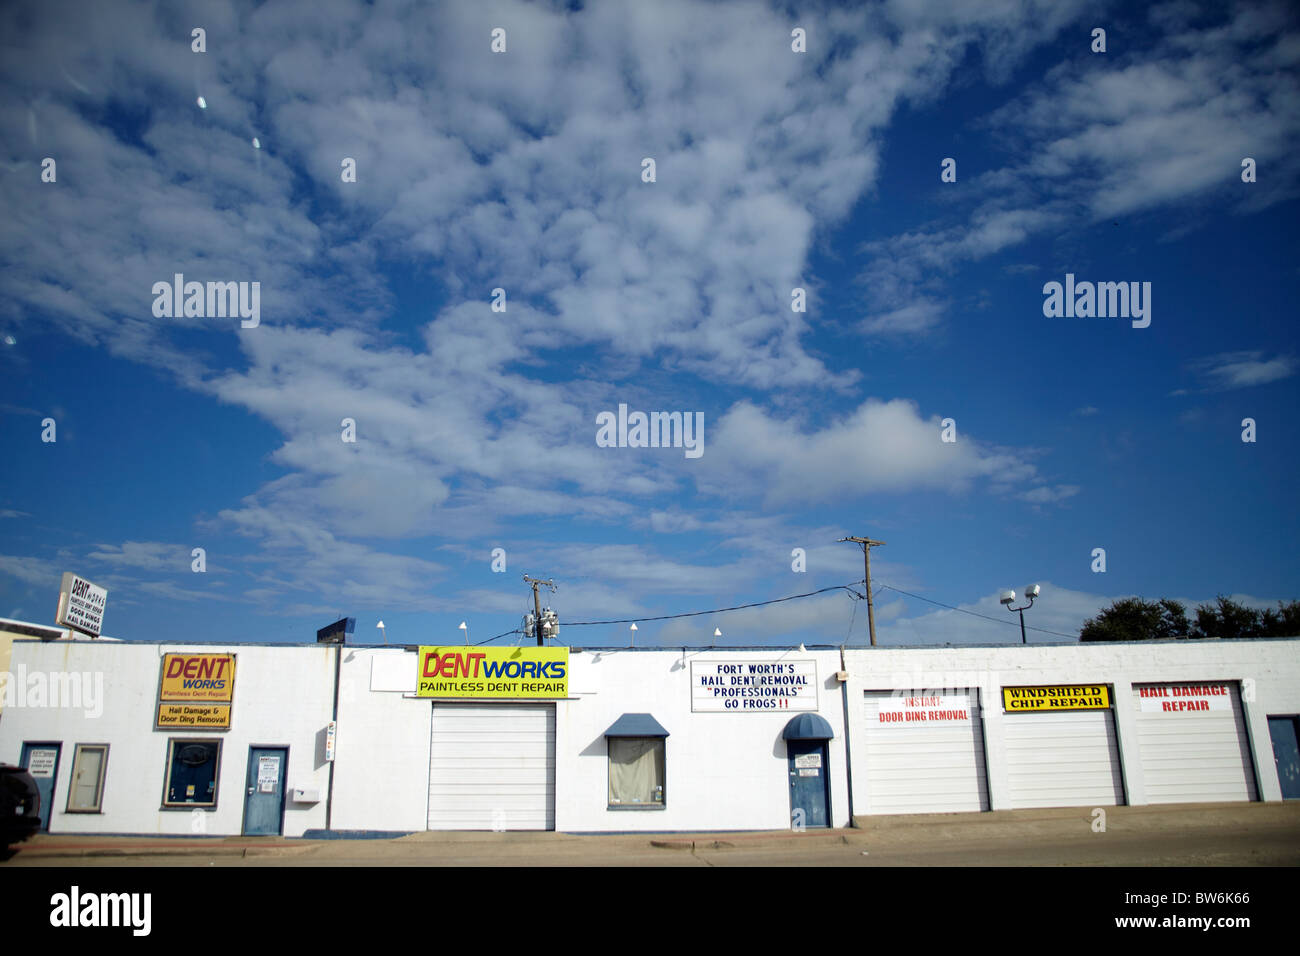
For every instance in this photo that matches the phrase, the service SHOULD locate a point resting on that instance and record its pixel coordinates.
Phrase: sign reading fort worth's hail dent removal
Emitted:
(196, 691)
(718, 687)
(1018, 700)
(1184, 698)
(918, 709)
(81, 604)
(540, 673)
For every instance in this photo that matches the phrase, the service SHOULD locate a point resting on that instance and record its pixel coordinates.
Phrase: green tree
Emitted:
(1133, 619)
(1284, 622)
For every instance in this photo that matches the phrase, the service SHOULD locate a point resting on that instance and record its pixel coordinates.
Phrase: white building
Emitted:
(242, 738)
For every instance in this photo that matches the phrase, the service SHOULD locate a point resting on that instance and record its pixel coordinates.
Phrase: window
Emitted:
(636, 773)
(191, 779)
(86, 792)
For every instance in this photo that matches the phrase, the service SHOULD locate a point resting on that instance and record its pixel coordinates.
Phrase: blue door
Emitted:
(809, 796)
(264, 802)
(1286, 754)
(42, 762)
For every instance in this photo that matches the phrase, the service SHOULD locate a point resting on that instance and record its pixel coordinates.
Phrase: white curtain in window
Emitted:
(636, 770)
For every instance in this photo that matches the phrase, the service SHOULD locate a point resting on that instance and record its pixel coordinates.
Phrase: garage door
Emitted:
(1193, 742)
(492, 767)
(925, 752)
(1067, 759)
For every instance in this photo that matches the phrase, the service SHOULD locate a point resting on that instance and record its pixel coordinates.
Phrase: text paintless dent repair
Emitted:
(501, 672)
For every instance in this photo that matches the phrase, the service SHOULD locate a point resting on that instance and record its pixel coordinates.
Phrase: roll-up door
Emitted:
(492, 767)
(1063, 759)
(925, 752)
(1193, 742)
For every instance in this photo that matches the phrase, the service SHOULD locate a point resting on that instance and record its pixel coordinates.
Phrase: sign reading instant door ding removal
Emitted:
(540, 673)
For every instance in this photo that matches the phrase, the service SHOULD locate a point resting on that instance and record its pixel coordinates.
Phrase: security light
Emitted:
(1031, 591)
(1008, 597)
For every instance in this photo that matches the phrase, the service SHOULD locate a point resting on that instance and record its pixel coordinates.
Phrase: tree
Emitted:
(1226, 618)
(1133, 619)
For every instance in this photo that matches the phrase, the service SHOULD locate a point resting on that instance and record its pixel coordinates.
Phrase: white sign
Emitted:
(268, 773)
(81, 604)
(807, 760)
(736, 686)
(918, 710)
(331, 734)
(1184, 698)
(40, 763)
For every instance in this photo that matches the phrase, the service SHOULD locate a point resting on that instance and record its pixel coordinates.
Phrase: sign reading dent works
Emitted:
(81, 604)
(196, 691)
(1018, 700)
(1184, 698)
(718, 687)
(540, 673)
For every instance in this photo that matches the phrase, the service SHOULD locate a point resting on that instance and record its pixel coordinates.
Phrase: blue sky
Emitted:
(522, 170)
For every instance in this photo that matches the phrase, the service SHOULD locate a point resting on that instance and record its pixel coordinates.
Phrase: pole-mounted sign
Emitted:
(81, 605)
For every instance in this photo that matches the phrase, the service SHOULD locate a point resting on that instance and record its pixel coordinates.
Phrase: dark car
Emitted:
(20, 805)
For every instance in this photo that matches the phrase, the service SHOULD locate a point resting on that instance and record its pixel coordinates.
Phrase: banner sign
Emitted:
(924, 710)
(205, 716)
(718, 687)
(1184, 698)
(1018, 700)
(486, 673)
(81, 604)
(196, 691)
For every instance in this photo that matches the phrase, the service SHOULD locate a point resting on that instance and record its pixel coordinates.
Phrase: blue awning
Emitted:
(808, 727)
(636, 725)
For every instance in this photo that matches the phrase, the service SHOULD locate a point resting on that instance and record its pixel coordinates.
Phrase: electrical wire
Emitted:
(738, 607)
(995, 620)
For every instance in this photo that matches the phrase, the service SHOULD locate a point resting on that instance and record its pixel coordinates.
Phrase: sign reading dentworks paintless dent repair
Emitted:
(718, 687)
(1184, 698)
(918, 709)
(539, 673)
(1053, 697)
(196, 691)
(81, 604)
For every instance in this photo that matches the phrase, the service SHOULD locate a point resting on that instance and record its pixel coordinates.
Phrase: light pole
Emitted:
(1009, 598)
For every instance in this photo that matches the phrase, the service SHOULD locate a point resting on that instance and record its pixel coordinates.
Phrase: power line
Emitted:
(995, 620)
(720, 610)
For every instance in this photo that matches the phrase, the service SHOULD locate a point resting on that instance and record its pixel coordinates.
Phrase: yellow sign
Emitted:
(494, 672)
(198, 677)
(1018, 700)
(208, 716)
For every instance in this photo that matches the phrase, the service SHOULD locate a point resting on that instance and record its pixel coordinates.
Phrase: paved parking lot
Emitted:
(1198, 835)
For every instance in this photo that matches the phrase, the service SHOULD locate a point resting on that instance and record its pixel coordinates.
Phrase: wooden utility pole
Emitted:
(867, 545)
(537, 605)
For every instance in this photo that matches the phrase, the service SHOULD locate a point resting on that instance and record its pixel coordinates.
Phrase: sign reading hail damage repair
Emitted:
(1018, 700)
(196, 691)
(1184, 698)
(540, 673)
(718, 687)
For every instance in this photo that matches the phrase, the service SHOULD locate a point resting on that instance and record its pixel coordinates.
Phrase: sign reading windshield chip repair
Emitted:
(539, 673)
(718, 687)
(1022, 700)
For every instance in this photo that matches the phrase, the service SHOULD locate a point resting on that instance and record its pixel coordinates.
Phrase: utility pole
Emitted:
(537, 604)
(867, 545)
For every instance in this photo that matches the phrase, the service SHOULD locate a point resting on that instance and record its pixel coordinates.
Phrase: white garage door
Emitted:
(1067, 759)
(1193, 742)
(925, 752)
(492, 767)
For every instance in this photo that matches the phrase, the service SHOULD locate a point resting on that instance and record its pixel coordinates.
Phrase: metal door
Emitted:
(1286, 754)
(809, 795)
(42, 762)
(264, 801)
